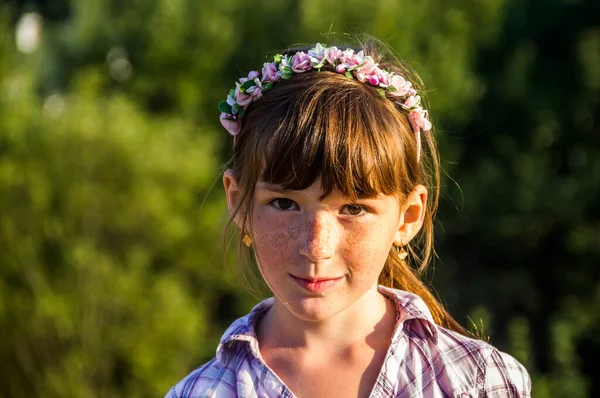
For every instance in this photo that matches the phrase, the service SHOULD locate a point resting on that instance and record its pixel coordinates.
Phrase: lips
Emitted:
(317, 285)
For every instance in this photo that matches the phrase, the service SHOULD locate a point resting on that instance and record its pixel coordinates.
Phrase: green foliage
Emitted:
(111, 280)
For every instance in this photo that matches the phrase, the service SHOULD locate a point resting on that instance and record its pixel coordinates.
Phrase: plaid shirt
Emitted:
(424, 360)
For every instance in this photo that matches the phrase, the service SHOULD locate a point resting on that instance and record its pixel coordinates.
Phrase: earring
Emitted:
(247, 240)
(402, 254)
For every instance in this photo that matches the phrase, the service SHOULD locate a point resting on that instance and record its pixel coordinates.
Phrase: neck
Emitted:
(370, 318)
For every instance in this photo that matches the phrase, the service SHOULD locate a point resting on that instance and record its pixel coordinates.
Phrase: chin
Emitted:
(313, 309)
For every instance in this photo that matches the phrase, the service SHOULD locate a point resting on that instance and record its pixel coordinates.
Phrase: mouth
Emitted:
(317, 285)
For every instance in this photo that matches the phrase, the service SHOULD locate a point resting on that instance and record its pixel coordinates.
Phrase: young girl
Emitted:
(333, 187)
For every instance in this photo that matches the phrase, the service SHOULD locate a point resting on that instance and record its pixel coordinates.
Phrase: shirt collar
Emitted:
(412, 317)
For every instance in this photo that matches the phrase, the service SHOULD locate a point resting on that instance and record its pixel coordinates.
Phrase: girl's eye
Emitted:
(354, 209)
(282, 204)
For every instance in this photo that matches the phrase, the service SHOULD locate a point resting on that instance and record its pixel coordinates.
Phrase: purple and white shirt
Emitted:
(424, 361)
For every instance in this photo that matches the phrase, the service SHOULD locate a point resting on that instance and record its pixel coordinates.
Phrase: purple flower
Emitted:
(252, 75)
(269, 72)
(230, 100)
(285, 67)
(301, 62)
(317, 55)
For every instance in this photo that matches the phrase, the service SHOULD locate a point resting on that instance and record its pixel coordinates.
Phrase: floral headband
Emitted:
(352, 65)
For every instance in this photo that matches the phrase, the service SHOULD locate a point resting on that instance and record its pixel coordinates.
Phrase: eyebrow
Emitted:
(278, 188)
(272, 187)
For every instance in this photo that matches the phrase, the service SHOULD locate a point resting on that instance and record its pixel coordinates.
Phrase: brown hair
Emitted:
(323, 124)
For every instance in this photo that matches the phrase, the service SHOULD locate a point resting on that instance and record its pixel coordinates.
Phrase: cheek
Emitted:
(368, 247)
(274, 239)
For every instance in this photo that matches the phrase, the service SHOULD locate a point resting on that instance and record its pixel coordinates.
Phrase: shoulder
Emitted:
(480, 366)
(209, 380)
(447, 361)
(505, 376)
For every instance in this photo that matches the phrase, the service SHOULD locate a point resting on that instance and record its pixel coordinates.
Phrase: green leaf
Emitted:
(224, 107)
(381, 92)
(232, 93)
(248, 84)
(277, 58)
(348, 75)
(267, 86)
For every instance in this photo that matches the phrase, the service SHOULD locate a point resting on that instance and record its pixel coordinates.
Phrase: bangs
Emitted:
(342, 132)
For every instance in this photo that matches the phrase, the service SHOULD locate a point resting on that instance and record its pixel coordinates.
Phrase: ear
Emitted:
(232, 193)
(412, 214)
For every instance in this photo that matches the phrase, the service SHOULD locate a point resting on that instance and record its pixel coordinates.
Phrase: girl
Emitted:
(333, 187)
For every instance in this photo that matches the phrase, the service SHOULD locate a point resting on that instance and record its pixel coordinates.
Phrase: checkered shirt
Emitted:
(424, 361)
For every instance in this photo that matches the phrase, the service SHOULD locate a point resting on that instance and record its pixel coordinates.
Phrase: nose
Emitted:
(320, 235)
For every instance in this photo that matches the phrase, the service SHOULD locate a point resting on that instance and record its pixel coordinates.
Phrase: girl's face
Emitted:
(319, 257)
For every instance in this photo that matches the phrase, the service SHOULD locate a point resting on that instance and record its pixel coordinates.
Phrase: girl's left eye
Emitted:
(354, 209)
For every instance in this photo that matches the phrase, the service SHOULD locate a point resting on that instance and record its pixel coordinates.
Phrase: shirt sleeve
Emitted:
(506, 377)
(171, 393)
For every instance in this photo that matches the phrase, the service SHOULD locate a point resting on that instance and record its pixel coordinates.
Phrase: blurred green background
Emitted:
(112, 283)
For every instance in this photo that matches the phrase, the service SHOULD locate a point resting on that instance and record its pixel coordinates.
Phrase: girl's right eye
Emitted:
(283, 204)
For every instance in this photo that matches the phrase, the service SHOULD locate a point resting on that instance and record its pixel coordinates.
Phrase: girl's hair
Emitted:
(324, 124)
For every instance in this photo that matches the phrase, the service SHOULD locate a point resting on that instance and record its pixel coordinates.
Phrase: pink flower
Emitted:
(350, 59)
(360, 76)
(369, 66)
(333, 54)
(374, 80)
(341, 68)
(241, 98)
(397, 84)
(418, 120)
(231, 125)
(301, 62)
(251, 93)
(367, 71)
(384, 79)
(269, 72)
(404, 90)
(412, 101)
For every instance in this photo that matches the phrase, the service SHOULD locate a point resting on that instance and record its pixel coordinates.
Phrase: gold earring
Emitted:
(402, 254)
(247, 240)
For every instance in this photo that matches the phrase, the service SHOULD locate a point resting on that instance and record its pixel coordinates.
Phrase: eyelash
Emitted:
(363, 208)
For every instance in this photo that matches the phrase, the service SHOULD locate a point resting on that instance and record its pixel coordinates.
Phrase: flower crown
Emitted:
(351, 64)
